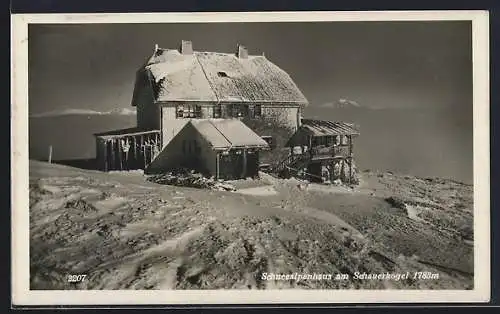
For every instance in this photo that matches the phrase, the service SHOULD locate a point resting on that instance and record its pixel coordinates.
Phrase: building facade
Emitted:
(177, 87)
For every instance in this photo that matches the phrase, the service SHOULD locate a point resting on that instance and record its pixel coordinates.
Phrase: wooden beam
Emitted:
(50, 154)
(126, 162)
(99, 144)
(144, 151)
(156, 149)
(141, 150)
(132, 153)
(102, 155)
(217, 166)
(134, 142)
(120, 153)
(106, 157)
(350, 146)
(150, 146)
(113, 160)
(350, 158)
(244, 163)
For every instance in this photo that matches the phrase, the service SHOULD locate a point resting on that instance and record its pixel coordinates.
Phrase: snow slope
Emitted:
(124, 232)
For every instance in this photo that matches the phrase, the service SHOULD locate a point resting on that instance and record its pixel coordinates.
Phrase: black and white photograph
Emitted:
(253, 156)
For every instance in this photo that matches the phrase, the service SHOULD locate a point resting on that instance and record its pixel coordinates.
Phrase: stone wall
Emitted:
(342, 172)
(280, 135)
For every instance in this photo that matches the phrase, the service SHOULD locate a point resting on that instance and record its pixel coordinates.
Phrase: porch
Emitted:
(321, 150)
(127, 149)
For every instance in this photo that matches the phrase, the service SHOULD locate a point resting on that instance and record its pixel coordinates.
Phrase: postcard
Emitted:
(250, 158)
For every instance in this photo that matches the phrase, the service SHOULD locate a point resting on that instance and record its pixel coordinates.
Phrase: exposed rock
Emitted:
(344, 173)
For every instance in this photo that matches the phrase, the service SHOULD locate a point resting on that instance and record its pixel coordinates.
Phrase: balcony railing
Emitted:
(331, 151)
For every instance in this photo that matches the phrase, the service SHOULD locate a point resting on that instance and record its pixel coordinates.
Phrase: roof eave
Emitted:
(219, 148)
(290, 103)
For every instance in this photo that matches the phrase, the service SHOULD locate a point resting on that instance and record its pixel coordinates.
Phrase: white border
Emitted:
(21, 295)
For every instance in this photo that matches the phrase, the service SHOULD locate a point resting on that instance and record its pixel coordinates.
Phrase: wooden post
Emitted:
(350, 158)
(135, 147)
(157, 149)
(50, 154)
(120, 152)
(150, 148)
(127, 142)
(113, 159)
(99, 144)
(217, 166)
(143, 150)
(244, 162)
(105, 156)
(134, 142)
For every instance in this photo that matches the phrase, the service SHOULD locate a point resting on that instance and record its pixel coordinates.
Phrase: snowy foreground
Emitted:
(124, 232)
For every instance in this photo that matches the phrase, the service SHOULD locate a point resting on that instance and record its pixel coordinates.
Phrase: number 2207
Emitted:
(76, 278)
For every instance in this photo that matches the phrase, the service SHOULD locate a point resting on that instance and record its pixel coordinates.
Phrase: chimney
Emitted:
(186, 47)
(242, 52)
(156, 48)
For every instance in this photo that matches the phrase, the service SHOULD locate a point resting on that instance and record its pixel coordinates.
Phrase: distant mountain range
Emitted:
(341, 104)
(87, 112)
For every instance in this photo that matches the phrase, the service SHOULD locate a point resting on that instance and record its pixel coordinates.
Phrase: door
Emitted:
(252, 168)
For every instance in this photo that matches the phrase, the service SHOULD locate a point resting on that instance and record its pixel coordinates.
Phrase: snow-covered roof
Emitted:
(323, 127)
(124, 133)
(311, 127)
(214, 76)
(223, 134)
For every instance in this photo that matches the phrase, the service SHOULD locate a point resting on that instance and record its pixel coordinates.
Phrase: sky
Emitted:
(377, 64)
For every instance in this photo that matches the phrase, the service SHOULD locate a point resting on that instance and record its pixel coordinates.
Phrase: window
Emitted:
(254, 111)
(315, 141)
(269, 140)
(238, 111)
(337, 140)
(320, 141)
(330, 141)
(343, 140)
(257, 111)
(188, 111)
(217, 111)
